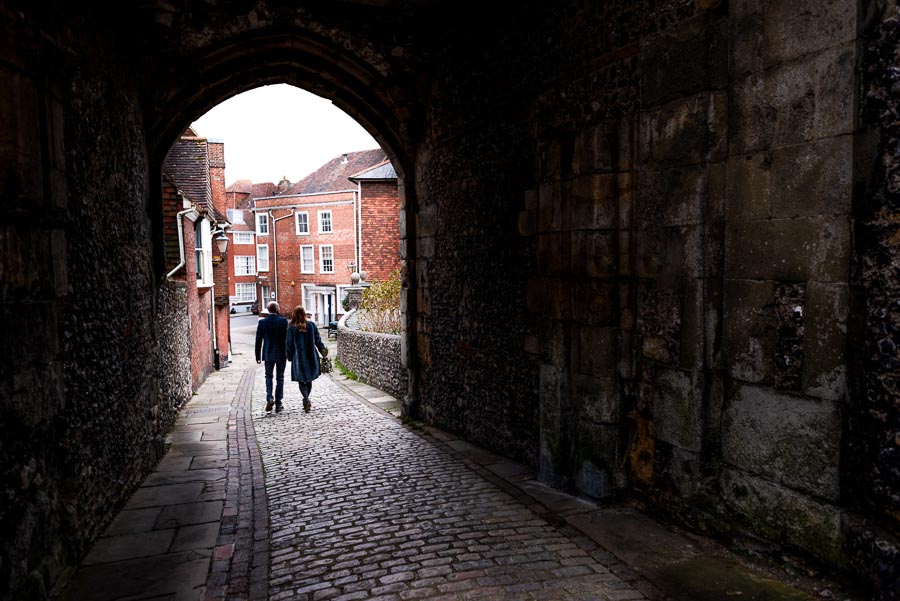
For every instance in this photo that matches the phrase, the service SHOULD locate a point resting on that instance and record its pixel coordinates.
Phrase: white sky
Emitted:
(280, 130)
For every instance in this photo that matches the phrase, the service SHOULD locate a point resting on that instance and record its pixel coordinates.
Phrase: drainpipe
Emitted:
(274, 268)
(180, 219)
(359, 225)
(212, 301)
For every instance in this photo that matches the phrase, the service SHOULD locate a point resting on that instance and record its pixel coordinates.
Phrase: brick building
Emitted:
(193, 193)
(379, 221)
(309, 236)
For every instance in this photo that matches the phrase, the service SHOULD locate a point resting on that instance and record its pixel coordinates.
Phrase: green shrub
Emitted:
(380, 306)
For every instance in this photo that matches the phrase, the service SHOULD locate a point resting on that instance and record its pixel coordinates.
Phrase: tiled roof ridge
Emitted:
(333, 175)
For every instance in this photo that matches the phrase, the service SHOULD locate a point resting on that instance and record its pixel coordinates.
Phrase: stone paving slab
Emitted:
(155, 496)
(184, 476)
(134, 520)
(161, 545)
(178, 576)
(130, 546)
(186, 514)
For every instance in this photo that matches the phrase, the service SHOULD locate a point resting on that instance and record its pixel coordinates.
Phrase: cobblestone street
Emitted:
(362, 507)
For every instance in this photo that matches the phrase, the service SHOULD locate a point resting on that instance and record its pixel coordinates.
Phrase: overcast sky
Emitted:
(280, 130)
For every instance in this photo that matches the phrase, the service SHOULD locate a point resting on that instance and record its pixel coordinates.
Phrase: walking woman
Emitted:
(302, 341)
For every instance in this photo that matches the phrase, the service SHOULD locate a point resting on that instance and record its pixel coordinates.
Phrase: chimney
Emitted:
(344, 162)
(283, 185)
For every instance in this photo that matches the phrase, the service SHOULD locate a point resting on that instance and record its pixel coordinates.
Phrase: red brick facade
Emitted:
(293, 286)
(236, 251)
(380, 227)
(334, 189)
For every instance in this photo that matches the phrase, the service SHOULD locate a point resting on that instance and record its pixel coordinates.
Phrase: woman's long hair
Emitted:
(298, 318)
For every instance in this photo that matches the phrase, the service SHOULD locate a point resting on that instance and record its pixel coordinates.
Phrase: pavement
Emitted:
(349, 502)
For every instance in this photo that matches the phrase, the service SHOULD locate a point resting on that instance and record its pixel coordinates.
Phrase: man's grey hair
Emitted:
(272, 307)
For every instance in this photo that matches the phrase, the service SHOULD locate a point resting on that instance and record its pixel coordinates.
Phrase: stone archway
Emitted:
(296, 58)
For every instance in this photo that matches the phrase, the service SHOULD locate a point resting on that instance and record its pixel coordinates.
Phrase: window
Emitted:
(202, 252)
(262, 257)
(326, 255)
(325, 222)
(307, 260)
(244, 265)
(235, 215)
(243, 237)
(262, 224)
(302, 223)
(246, 293)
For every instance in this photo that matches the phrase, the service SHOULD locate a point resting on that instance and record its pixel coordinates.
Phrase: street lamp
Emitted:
(222, 243)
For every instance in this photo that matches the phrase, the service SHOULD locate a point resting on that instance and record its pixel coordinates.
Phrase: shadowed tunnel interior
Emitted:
(649, 248)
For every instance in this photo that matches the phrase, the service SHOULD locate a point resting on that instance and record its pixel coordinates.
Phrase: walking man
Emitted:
(270, 334)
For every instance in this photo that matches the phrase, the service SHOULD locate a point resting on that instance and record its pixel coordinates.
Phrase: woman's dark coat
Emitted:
(301, 352)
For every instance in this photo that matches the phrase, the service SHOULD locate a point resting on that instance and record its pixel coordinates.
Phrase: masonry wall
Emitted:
(380, 225)
(871, 458)
(664, 215)
(627, 234)
(80, 409)
(174, 364)
(374, 357)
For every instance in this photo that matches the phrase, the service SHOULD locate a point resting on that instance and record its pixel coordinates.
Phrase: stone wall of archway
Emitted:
(626, 234)
(95, 100)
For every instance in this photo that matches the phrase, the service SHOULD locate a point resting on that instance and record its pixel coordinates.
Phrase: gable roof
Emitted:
(242, 186)
(380, 172)
(188, 165)
(333, 175)
(262, 190)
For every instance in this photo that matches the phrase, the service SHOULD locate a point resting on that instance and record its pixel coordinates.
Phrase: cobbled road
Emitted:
(362, 507)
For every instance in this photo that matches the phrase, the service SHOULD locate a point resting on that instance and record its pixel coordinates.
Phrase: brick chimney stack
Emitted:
(217, 174)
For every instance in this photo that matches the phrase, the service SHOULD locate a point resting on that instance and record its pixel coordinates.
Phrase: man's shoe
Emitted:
(307, 406)
(269, 404)
(279, 408)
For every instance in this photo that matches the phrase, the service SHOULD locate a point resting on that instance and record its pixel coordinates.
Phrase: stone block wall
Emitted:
(374, 357)
(676, 267)
(626, 234)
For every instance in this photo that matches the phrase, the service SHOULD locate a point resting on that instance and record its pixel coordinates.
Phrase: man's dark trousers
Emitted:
(278, 368)
(270, 338)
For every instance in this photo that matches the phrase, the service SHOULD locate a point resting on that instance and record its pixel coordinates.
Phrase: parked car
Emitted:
(254, 307)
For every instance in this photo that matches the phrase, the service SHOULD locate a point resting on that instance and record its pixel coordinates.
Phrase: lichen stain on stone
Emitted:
(790, 300)
(641, 451)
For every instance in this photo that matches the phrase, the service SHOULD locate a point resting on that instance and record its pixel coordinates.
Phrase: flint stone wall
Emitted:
(374, 357)
(174, 363)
